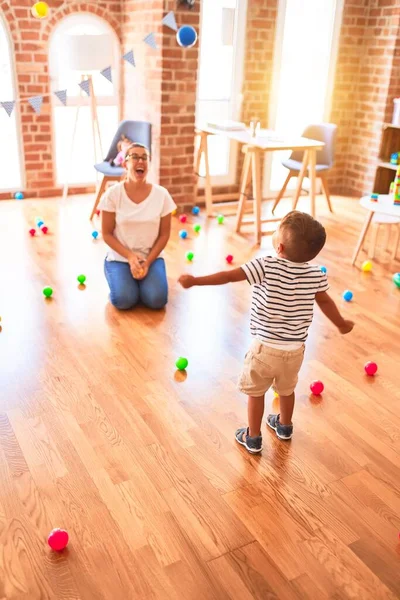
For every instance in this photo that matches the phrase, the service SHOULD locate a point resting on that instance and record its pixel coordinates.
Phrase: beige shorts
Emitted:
(264, 366)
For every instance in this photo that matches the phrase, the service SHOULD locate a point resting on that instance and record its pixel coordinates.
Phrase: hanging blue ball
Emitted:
(19, 196)
(195, 210)
(95, 234)
(186, 36)
(347, 295)
(323, 270)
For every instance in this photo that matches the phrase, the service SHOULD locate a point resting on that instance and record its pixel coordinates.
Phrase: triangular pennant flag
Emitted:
(107, 73)
(129, 58)
(62, 96)
(85, 86)
(36, 103)
(150, 40)
(8, 106)
(170, 21)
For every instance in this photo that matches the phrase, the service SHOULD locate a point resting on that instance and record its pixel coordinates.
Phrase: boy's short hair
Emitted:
(303, 236)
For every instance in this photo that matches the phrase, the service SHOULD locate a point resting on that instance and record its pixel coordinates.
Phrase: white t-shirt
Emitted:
(136, 225)
(283, 298)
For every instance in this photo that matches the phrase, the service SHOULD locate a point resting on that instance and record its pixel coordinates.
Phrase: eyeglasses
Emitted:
(137, 157)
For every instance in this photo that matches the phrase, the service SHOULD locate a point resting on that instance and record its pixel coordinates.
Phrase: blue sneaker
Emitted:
(284, 432)
(252, 444)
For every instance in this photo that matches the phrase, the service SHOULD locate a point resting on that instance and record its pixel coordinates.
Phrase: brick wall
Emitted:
(162, 89)
(367, 79)
(29, 38)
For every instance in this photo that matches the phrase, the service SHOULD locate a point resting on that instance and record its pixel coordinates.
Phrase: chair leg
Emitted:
(246, 172)
(325, 186)
(99, 195)
(280, 195)
(374, 241)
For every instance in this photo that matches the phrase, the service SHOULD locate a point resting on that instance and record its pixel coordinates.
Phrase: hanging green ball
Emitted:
(81, 279)
(220, 219)
(181, 363)
(196, 228)
(189, 256)
(48, 292)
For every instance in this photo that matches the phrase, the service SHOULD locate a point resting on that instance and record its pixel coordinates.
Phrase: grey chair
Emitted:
(137, 131)
(325, 132)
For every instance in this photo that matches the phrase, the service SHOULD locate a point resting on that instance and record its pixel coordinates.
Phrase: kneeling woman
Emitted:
(136, 225)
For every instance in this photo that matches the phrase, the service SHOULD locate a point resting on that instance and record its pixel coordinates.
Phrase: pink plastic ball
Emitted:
(229, 259)
(32, 232)
(317, 387)
(58, 540)
(183, 218)
(370, 368)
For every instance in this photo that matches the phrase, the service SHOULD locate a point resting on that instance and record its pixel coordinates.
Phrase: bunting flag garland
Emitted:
(8, 106)
(107, 73)
(150, 40)
(36, 103)
(85, 86)
(170, 21)
(129, 57)
(62, 96)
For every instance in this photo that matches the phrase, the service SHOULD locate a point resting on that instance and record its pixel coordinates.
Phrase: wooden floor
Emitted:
(99, 435)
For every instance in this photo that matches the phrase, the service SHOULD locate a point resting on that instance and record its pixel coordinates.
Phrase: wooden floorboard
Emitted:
(100, 435)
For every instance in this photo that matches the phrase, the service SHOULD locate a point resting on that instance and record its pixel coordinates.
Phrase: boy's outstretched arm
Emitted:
(331, 311)
(188, 281)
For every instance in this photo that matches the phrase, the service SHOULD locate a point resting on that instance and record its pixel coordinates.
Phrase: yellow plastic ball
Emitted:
(276, 395)
(174, 212)
(366, 266)
(40, 10)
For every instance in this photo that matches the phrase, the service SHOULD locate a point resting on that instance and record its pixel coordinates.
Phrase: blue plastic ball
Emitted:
(195, 210)
(186, 36)
(183, 233)
(347, 295)
(40, 223)
(324, 270)
(95, 234)
(19, 196)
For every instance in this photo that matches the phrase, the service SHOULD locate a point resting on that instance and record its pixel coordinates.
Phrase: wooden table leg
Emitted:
(312, 154)
(208, 188)
(243, 187)
(362, 236)
(256, 176)
(300, 179)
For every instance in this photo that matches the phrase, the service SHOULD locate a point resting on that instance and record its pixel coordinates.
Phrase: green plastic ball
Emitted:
(189, 256)
(220, 219)
(396, 279)
(196, 228)
(181, 363)
(81, 279)
(48, 292)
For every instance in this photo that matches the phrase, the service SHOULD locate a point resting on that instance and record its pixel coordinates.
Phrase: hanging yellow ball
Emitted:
(366, 267)
(40, 10)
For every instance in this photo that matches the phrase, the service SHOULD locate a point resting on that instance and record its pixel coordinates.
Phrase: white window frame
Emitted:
(236, 95)
(16, 112)
(273, 105)
(82, 99)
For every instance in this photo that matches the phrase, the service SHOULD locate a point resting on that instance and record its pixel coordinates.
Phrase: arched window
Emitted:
(10, 157)
(66, 73)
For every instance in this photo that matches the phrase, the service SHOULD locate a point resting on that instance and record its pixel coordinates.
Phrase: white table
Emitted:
(254, 148)
(384, 206)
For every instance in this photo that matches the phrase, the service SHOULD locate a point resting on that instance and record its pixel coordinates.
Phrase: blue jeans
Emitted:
(126, 292)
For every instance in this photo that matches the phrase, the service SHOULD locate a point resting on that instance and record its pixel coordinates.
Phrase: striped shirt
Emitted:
(283, 298)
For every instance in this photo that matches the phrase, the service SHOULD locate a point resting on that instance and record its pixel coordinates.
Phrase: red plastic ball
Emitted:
(32, 232)
(44, 229)
(58, 540)
(229, 259)
(98, 212)
(370, 368)
(317, 387)
(183, 218)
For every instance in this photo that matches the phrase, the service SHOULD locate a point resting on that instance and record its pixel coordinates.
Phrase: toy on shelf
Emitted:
(375, 197)
(396, 190)
(394, 158)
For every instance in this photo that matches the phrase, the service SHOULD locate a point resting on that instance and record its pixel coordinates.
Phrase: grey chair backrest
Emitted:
(325, 132)
(137, 131)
